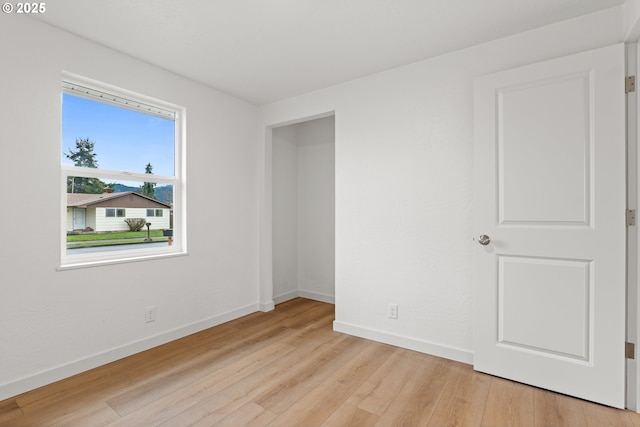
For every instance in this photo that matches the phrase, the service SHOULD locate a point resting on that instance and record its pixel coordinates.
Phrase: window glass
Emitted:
(124, 140)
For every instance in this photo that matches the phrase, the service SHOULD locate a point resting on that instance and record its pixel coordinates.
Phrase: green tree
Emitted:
(84, 156)
(148, 188)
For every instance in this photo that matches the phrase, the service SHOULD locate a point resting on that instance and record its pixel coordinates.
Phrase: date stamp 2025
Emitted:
(31, 8)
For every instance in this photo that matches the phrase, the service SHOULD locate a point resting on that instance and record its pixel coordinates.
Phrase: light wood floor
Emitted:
(288, 368)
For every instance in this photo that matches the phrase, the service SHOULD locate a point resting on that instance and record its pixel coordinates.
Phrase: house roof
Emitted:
(125, 199)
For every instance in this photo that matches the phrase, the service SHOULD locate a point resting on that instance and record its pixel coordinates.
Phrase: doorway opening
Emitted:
(303, 210)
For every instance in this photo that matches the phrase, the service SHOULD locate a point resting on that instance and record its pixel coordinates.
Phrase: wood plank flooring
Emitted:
(289, 368)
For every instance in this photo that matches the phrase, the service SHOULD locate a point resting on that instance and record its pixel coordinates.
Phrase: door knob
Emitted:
(484, 239)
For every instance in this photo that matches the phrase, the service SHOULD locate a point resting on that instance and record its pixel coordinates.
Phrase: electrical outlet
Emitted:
(150, 314)
(392, 311)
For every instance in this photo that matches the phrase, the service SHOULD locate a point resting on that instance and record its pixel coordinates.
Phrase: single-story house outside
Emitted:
(108, 211)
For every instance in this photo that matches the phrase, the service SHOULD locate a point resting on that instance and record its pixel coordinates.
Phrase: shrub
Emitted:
(135, 224)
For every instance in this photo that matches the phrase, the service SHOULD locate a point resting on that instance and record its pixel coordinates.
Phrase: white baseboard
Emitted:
(81, 365)
(440, 350)
(267, 306)
(304, 294)
(285, 297)
(331, 299)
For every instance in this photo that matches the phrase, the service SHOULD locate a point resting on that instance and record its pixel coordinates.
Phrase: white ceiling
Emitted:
(267, 50)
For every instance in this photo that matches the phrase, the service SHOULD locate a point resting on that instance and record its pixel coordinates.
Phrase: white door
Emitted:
(549, 192)
(79, 219)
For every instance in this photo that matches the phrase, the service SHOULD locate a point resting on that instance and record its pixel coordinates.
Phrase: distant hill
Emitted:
(119, 188)
(164, 193)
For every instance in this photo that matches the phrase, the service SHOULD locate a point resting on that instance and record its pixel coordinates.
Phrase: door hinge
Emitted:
(629, 350)
(631, 217)
(629, 84)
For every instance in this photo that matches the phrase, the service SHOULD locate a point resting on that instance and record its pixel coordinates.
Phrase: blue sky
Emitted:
(125, 140)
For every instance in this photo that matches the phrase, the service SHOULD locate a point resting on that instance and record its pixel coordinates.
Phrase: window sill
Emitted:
(100, 263)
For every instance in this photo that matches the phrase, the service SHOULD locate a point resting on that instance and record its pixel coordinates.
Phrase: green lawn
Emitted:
(111, 239)
(111, 242)
(119, 235)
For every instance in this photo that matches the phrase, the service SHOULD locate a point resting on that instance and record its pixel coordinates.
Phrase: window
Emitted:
(124, 148)
(154, 212)
(113, 213)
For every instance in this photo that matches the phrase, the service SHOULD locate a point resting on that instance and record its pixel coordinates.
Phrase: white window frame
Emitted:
(128, 99)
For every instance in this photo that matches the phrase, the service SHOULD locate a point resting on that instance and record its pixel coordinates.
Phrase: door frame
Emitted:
(633, 185)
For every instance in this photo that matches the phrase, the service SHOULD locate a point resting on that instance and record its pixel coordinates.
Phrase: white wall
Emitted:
(316, 198)
(89, 217)
(304, 210)
(403, 184)
(104, 223)
(56, 323)
(69, 219)
(631, 20)
(285, 213)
